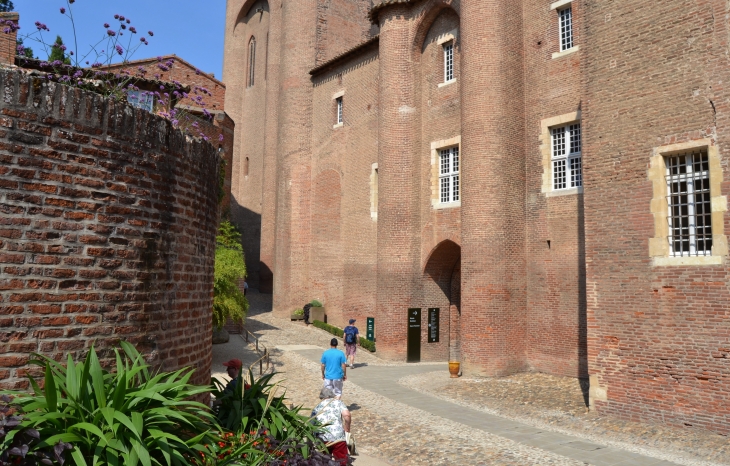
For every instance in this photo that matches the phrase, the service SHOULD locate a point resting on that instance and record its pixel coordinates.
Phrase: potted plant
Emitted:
(298, 314)
(317, 312)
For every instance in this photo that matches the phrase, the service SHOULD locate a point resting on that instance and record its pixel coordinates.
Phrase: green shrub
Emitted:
(253, 407)
(298, 312)
(329, 328)
(121, 418)
(230, 267)
(365, 343)
(316, 303)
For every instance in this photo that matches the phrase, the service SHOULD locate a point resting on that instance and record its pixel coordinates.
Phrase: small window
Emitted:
(449, 175)
(566, 28)
(251, 61)
(245, 167)
(141, 99)
(339, 110)
(566, 157)
(449, 62)
(690, 209)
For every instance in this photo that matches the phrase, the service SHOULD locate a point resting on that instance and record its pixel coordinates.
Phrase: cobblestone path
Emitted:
(413, 414)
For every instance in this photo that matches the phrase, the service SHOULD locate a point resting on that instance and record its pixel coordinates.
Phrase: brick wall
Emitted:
(253, 109)
(8, 43)
(108, 231)
(657, 335)
(556, 331)
(343, 263)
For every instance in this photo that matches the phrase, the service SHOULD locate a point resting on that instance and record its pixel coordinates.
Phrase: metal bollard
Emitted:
(257, 345)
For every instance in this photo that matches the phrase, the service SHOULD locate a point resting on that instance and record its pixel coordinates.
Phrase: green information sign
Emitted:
(371, 329)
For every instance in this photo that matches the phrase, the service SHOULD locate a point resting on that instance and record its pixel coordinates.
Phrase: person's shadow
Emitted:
(353, 407)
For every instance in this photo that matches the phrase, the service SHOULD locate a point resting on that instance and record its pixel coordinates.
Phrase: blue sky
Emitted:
(191, 29)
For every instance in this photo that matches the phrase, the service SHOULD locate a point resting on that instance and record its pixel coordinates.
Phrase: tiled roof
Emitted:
(345, 55)
(375, 10)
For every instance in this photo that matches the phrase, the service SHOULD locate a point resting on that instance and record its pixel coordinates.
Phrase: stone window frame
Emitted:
(436, 147)
(546, 127)
(374, 192)
(558, 7)
(659, 249)
(338, 99)
(444, 40)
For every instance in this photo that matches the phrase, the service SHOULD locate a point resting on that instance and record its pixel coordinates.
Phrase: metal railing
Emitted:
(264, 355)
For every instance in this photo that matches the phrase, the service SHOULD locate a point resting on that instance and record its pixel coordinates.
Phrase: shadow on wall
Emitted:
(260, 275)
(582, 299)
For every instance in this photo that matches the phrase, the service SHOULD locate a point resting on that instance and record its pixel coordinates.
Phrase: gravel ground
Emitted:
(402, 435)
(557, 403)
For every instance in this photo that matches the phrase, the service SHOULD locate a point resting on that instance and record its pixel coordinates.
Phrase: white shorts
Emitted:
(335, 385)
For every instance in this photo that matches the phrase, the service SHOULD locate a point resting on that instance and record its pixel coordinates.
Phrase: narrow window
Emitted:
(566, 28)
(688, 197)
(339, 110)
(448, 62)
(566, 157)
(266, 58)
(449, 175)
(245, 167)
(251, 61)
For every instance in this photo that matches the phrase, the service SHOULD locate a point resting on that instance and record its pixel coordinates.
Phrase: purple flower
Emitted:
(124, 26)
(110, 33)
(132, 30)
(116, 16)
(197, 71)
(71, 52)
(41, 26)
(119, 48)
(87, 63)
(62, 47)
(129, 21)
(220, 137)
(150, 33)
(143, 40)
(63, 11)
(106, 25)
(121, 18)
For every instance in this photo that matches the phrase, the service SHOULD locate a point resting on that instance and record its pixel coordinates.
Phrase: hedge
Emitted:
(365, 343)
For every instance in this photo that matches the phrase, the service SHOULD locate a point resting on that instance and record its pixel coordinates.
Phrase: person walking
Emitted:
(351, 339)
(335, 417)
(334, 368)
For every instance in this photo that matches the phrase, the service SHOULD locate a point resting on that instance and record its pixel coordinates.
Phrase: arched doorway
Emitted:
(442, 290)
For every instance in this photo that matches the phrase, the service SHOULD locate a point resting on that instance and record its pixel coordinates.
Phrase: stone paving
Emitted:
(413, 414)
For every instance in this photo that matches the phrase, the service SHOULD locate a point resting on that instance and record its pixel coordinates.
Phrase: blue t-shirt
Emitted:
(333, 359)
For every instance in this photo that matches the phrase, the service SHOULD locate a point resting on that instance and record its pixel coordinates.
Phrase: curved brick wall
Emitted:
(107, 230)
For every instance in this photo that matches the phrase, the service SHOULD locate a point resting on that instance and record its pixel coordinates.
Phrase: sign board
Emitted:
(433, 325)
(370, 335)
(414, 335)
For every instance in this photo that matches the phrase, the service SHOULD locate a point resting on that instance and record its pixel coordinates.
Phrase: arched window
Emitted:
(251, 60)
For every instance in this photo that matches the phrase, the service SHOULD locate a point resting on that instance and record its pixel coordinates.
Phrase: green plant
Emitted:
(365, 343)
(316, 303)
(127, 417)
(258, 406)
(298, 312)
(329, 328)
(230, 267)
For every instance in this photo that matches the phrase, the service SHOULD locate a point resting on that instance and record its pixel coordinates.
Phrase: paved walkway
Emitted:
(383, 381)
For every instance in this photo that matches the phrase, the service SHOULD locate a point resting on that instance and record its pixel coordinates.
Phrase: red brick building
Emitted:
(549, 175)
